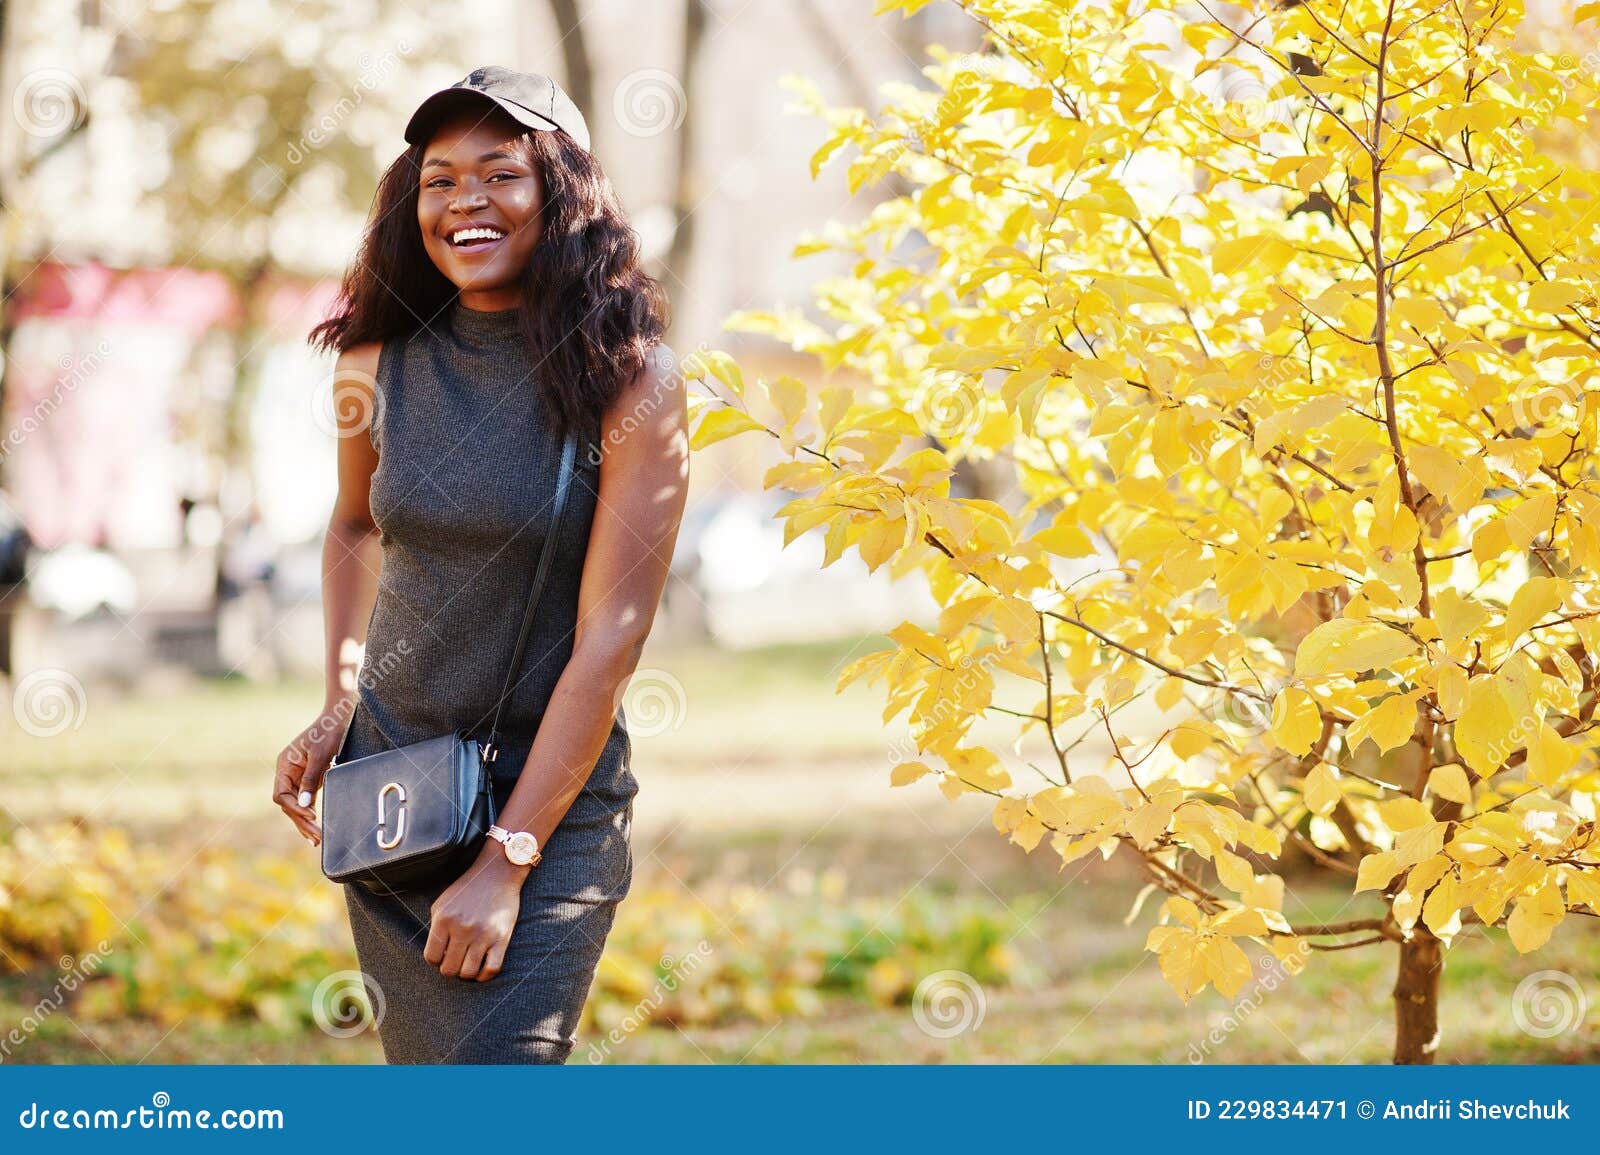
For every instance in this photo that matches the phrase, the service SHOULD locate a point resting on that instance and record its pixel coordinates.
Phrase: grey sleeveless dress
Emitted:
(462, 498)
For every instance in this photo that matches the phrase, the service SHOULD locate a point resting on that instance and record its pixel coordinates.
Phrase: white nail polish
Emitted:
(305, 798)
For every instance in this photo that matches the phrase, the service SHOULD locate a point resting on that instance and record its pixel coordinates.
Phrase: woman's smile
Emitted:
(476, 238)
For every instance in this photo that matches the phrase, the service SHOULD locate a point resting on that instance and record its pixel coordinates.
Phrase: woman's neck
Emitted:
(491, 300)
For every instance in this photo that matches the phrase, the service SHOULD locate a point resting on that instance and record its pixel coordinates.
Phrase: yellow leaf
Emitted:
(1419, 842)
(1537, 597)
(1321, 790)
(1183, 910)
(1296, 722)
(1233, 871)
(1583, 886)
(1405, 813)
(818, 159)
(1389, 724)
(719, 422)
(907, 772)
(789, 396)
(1553, 296)
(978, 766)
(1027, 833)
(1255, 253)
(1376, 870)
(1452, 690)
(879, 539)
(1442, 911)
(1490, 540)
(1423, 875)
(918, 468)
(1227, 966)
(1243, 922)
(1065, 540)
(1148, 823)
(1529, 519)
(721, 366)
(1188, 742)
(952, 787)
(1190, 960)
(1549, 756)
(1460, 483)
(835, 402)
(1535, 916)
(1015, 619)
(1456, 616)
(1488, 730)
(1394, 527)
(1450, 782)
(1350, 645)
(1177, 950)
(871, 665)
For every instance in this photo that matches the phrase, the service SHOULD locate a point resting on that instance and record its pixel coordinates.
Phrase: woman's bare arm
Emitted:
(644, 478)
(351, 564)
(351, 555)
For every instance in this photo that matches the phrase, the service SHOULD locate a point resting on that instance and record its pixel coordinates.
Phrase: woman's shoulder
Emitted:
(356, 371)
(355, 389)
(360, 358)
(660, 361)
(659, 371)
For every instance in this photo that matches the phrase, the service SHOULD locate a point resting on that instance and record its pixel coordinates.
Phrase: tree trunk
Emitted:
(236, 489)
(579, 80)
(1416, 997)
(687, 193)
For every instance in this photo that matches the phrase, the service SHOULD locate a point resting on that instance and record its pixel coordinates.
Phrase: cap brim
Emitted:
(435, 107)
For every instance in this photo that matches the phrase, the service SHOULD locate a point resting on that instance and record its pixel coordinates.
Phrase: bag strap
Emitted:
(491, 749)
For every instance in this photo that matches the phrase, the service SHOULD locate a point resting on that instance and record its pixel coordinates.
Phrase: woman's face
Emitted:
(473, 177)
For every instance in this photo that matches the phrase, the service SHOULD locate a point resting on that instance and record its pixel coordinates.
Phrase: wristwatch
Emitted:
(522, 848)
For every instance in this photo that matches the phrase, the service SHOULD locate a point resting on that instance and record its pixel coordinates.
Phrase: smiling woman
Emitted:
(510, 151)
(496, 307)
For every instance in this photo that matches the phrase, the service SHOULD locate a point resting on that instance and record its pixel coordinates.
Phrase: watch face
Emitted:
(521, 847)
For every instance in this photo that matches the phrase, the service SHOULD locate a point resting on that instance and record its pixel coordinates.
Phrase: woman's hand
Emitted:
(301, 765)
(473, 918)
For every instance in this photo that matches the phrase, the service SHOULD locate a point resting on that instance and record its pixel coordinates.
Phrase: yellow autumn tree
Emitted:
(1285, 327)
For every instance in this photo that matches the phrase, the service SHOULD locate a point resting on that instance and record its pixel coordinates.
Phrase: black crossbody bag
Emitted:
(405, 817)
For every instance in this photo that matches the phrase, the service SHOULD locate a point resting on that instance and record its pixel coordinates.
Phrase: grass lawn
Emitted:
(768, 777)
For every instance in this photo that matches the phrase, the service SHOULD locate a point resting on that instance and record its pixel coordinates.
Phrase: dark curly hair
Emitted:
(590, 313)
